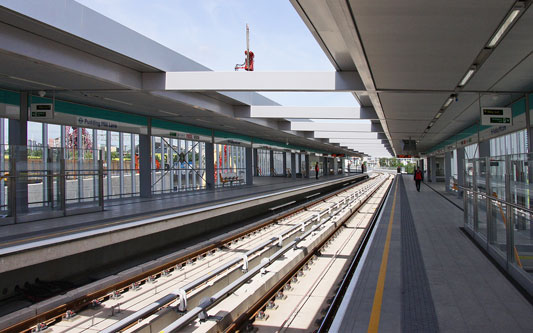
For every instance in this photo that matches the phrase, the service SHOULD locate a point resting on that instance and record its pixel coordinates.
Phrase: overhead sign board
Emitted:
(40, 111)
(496, 116)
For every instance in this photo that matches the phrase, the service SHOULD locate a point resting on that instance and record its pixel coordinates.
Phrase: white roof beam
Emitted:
(253, 81)
(306, 112)
(334, 127)
(358, 141)
(348, 135)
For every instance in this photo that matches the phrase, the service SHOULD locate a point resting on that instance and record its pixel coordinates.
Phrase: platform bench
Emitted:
(229, 177)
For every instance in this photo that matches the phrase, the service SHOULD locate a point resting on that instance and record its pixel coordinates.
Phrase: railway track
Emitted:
(191, 285)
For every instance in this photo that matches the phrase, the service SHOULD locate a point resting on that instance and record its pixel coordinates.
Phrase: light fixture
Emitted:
(117, 101)
(467, 76)
(431, 123)
(166, 112)
(202, 120)
(31, 81)
(448, 102)
(437, 116)
(503, 28)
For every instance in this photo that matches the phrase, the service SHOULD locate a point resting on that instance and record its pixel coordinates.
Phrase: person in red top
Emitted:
(419, 176)
(316, 170)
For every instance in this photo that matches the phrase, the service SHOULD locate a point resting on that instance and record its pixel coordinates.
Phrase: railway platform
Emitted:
(422, 273)
(124, 210)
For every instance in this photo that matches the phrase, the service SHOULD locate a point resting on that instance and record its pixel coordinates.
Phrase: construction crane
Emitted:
(248, 64)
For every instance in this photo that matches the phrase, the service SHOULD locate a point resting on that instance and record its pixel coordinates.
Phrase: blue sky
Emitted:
(212, 32)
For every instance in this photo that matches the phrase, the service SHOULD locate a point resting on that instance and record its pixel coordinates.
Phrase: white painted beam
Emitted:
(346, 135)
(308, 112)
(334, 126)
(253, 81)
(348, 141)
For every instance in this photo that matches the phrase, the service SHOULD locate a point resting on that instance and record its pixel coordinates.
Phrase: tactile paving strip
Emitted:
(418, 310)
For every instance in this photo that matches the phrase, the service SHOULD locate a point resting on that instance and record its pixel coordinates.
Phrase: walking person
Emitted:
(419, 176)
(316, 170)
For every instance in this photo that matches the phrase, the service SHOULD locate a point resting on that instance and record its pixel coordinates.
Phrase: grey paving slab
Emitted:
(468, 292)
(462, 280)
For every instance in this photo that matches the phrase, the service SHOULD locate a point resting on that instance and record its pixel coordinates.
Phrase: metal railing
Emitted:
(40, 182)
(498, 214)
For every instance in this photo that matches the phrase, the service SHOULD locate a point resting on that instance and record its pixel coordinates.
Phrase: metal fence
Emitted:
(498, 195)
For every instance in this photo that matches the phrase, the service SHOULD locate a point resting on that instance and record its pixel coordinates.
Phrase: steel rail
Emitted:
(216, 298)
(166, 300)
(82, 302)
(337, 299)
(254, 309)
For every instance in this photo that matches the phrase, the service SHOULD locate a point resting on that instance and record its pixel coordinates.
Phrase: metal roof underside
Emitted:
(412, 54)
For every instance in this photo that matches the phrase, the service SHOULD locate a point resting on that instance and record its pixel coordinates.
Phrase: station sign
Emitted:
(41, 111)
(156, 131)
(496, 116)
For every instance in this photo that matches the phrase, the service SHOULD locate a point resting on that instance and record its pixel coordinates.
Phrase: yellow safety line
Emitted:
(378, 296)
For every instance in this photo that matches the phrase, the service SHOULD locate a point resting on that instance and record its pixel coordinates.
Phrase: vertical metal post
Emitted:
(145, 166)
(100, 180)
(293, 165)
(528, 126)
(255, 162)
(187, 168)
(447, 171)
(508, 212)
(121, 162)
(248, 165)
(63, 185)
(2, 163)
(109, 165)
(12, 195)
(179, 166)
(45, 164)
(271, 164)
(171, 163)
(63, 141)
(162, 148)
(284, 164)
(460, 160)
(210, 165)
(491, 231)
(474, 183)
(307, 166)
(201, 159)
(80, 164)
(195, 167)
(18, 139)
(49, 178)
(133, 164)
(95, 153)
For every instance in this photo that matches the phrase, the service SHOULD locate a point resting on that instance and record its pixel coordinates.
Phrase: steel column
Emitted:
(447, 170)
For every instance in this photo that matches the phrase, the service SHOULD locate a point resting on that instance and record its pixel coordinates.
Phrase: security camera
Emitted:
(42, 93)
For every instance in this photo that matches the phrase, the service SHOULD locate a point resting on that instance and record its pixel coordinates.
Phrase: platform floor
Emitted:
(423, 274)
(131, 208)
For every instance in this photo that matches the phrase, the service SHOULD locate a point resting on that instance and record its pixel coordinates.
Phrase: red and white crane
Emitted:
(248, 64)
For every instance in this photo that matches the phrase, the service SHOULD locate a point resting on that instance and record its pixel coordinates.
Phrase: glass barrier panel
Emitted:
(481, 185)
(521, 193)
(469, 196)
